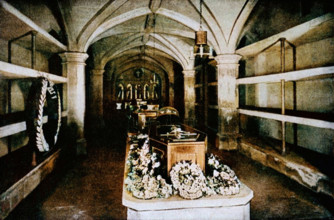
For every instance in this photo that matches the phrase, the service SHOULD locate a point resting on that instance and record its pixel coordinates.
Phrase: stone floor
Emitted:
(91, 188)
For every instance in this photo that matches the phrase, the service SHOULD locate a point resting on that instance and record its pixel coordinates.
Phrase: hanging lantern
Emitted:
(200, 37)
(201, 40)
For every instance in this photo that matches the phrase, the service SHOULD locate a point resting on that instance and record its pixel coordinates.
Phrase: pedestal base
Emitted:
(234, 212)
(211, 207)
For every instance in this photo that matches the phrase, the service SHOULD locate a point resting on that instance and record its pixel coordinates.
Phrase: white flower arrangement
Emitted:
(188, 180)
(142, 179)
(145, 182)
(221, 178)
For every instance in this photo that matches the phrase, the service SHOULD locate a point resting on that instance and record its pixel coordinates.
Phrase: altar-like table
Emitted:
(208, 207)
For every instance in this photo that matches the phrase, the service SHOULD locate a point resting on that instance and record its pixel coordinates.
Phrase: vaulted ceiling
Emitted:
(162, 31)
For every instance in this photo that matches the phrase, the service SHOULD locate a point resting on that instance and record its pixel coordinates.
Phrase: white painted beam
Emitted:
(291, 35)
(18, 127)
(11, 129)
(290, 119)
(31, 25)
(11, 71)
(287, 76)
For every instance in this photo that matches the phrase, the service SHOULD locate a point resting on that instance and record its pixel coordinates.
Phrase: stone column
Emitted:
(189, 97)
(228, 101)
(74, 69)
(96, 102)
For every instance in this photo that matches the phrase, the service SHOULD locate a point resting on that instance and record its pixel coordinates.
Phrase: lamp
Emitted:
(201, 39)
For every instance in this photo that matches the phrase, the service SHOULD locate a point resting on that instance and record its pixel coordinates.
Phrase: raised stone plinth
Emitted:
(175, 207)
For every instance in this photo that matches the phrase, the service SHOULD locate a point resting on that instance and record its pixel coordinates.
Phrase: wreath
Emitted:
(189, 180)
(43, 99)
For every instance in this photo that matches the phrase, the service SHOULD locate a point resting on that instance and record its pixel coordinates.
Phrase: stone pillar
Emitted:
(228, 101)
(189, 97)
(74, 69)
(96, 102)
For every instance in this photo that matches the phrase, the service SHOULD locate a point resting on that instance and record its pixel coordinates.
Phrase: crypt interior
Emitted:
(76, 76)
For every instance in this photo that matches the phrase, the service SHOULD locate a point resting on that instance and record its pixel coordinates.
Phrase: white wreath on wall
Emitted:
(47, 88)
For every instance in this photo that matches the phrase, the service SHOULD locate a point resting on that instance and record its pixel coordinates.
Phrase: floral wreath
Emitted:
(43, 136)
(188, 180)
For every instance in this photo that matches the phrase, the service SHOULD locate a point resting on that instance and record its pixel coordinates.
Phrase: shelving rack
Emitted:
(296, 35)
(205, 106)
(12, 18)
(314, 30)
(42, 41)
(12, 71)
(303, 33)
(298, 75)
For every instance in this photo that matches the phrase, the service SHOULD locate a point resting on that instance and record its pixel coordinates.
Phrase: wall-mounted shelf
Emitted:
(289, 76)
(19, 24)
(12, 71)
(307, 74)
(18, 127)
(289, 118)
(313, 30)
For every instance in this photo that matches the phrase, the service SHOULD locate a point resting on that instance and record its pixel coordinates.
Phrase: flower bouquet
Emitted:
(143, 179)
(221, 178)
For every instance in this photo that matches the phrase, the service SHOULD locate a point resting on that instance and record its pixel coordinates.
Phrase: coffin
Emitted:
(176, 141)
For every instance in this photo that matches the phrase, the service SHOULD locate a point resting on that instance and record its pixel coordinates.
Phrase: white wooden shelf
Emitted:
(18, 127)
(288, 118)
(19, 24)
(313, 30)
(12, 71)
(288, 76)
